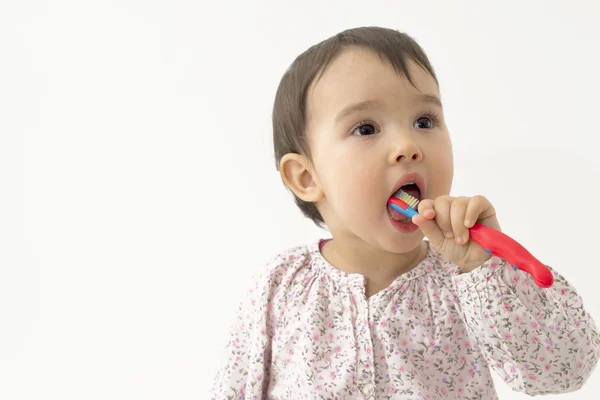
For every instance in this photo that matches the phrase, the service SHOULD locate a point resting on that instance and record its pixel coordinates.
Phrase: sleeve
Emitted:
(539, 341)
(244, 372)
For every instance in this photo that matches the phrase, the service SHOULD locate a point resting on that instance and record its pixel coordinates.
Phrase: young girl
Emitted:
(376, 311)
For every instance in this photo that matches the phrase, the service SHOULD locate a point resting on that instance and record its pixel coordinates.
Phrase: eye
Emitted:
(425, 122)
(365, 129)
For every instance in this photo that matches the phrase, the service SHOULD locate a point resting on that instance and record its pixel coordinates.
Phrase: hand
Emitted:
(448, 233)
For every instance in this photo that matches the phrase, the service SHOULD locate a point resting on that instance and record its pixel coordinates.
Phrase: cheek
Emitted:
(443, 170)
(350, 183)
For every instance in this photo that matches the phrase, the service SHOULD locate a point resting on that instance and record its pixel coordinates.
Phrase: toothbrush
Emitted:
(493, 242)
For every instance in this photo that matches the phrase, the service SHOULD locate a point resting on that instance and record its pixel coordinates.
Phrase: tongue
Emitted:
(396, 216)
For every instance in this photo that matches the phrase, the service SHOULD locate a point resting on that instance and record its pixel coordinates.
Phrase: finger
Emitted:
(430, 229)
(458, 210)
(426, 209)
(478, 208)
(442, 215)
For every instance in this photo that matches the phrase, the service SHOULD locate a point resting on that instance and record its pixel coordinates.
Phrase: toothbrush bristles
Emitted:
(407, 198)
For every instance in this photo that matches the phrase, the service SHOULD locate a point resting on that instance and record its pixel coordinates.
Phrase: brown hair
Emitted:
(289, 110)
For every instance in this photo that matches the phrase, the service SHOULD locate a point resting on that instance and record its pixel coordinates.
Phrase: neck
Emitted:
(380, 268)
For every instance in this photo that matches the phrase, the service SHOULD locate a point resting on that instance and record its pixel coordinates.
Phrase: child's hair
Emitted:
(289, 110)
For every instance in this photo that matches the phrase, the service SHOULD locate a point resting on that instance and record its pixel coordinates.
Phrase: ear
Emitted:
(298, 175)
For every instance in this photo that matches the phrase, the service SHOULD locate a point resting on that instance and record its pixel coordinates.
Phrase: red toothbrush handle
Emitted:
(501, 245)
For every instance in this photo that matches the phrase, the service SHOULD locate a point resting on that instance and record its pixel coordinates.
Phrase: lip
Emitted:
(410, 177)
(405, 228)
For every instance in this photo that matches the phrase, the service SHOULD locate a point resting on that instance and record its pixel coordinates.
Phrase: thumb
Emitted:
(430, 229)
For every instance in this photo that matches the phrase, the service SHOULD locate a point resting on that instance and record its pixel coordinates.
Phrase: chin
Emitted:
(404, 243)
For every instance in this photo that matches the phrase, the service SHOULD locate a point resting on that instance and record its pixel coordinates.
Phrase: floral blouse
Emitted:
(306, 330)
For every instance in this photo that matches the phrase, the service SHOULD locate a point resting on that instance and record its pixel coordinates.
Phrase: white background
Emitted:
(138, 190)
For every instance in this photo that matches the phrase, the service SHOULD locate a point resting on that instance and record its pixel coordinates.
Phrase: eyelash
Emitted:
(432, 115)
(361, 123)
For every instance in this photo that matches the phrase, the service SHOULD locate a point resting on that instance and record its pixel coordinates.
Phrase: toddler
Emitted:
(376, 311)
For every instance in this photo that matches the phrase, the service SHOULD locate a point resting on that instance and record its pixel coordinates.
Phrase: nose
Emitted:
(405, 149)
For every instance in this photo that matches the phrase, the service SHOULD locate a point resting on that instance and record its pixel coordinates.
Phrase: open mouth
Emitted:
(412, 189)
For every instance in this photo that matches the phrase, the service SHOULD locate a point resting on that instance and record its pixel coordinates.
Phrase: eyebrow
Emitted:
(431, 98)
(352, 108)
(370, 104)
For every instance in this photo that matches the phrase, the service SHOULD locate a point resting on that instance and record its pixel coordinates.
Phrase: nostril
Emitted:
(414, 157)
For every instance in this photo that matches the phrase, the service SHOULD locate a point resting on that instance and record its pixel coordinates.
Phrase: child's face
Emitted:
(359, 156)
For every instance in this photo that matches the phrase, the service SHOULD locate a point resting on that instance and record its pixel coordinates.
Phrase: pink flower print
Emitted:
(291, 351)
(508, 336)
(535, 340)
(548, 367)
(383, 324)
(563, 291)
(337, 349)
(534, 325)
(319, 387)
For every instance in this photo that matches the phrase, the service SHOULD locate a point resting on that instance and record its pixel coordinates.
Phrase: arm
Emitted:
(244, 373)
(539, 341)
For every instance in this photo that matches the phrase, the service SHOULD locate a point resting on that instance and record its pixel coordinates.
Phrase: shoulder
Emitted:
(283, 269)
